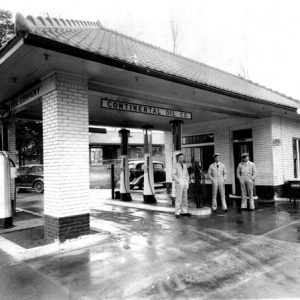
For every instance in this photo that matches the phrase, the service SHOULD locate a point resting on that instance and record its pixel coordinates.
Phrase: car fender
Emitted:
(37, 179)
(137, 180)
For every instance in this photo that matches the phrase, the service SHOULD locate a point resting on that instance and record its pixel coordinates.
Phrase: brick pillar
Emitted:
(12, 155)
(66, 159)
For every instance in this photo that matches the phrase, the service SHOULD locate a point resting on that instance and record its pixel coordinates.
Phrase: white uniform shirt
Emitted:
(217, 171)
(180, 172)
(246, 170)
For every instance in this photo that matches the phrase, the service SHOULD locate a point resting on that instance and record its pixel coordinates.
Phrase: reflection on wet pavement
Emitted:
(156, 256)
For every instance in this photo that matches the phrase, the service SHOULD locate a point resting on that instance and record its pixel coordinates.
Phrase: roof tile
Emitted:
(93, 37)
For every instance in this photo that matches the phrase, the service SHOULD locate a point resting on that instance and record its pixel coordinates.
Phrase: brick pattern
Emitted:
(261, 130)
(278, 154)
(66, 148)
(67, 227)
(12, 152)
(262, 151)
(284, 129)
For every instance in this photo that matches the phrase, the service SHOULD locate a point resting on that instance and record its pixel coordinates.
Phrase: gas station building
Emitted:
(74, 74)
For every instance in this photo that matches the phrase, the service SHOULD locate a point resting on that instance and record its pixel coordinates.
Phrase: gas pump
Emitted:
(6, 219)
(149, 193)
(124, 176)
(177, 133)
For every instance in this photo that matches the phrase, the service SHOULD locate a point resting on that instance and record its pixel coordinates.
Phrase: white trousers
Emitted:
(247, 188)
(181, 202)
(218, 185)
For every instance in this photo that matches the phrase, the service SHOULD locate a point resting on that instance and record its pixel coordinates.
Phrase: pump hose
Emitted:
(12, 162)
(150, 181)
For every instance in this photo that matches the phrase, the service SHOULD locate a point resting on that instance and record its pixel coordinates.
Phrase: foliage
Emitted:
(29, 136)
(6, 26)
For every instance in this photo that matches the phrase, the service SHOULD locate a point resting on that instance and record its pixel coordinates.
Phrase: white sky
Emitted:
(260, 34)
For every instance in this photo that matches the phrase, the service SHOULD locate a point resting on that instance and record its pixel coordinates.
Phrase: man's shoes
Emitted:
(214, 211)
(225, 210)
(177, 216)
(185, 214)
(244, 208)
(252, 209)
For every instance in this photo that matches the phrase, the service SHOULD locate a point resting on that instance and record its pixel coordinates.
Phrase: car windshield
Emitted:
(139, 166)
(37, 169)
(23, 170)
(157, 166)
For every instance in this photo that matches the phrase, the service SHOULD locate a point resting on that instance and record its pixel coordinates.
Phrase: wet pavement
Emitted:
(152, 255)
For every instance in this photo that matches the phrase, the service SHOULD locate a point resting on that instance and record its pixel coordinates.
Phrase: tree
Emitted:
(6, 26)
(174, 34)
(29, 140)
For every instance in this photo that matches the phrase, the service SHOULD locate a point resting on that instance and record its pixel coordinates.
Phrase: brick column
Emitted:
(12, 154)
(66, 159)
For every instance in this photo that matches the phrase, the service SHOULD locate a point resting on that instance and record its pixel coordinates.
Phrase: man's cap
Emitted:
(244, 155)
(179, 154)
(216, 154)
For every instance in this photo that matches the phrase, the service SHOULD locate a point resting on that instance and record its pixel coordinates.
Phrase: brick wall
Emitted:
(261, 130)
(262, 151)
(66, 148)
(284, 129)
(278, 154)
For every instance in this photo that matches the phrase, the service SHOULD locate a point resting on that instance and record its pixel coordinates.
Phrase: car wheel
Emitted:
(38, 186)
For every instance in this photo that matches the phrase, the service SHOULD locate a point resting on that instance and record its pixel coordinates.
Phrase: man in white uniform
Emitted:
(217, 174)
(181, 177)
(246, 173)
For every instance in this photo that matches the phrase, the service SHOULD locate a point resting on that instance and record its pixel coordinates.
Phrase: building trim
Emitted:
(11, 48)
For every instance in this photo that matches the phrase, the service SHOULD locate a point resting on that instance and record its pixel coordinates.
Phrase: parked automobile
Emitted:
(136, 169)
(31, 177)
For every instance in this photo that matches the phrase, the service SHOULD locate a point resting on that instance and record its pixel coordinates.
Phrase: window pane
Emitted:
(295, 158)
(188, 154)
(197, 156)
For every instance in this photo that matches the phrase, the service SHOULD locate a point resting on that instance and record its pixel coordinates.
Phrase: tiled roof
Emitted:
(94, 38)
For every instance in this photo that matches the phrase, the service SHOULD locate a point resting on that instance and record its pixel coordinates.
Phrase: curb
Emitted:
(194, 211)
(29, 212)
(20, 253)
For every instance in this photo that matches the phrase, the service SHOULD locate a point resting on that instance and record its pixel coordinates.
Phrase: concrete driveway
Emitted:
(238, 255)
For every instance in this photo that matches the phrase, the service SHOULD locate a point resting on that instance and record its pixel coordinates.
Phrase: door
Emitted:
(238, 149)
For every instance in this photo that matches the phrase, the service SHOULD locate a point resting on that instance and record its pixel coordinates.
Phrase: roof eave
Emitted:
(10, 48)
(49, 44)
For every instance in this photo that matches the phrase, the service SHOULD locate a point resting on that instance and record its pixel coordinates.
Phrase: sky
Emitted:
(259, 38)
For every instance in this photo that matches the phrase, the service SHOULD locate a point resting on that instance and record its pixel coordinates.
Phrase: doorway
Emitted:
(242, 143)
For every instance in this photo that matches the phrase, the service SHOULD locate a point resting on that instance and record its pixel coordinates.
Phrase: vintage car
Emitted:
(136, 169)
(30, 177)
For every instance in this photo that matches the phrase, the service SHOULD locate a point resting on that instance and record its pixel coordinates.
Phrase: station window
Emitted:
(204, 154)
(198, 139)
(96, 156)
(296, 157)
(199, 148)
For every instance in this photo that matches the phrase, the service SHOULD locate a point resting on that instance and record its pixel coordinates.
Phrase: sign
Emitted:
(144, 109)
(276, 142)
(28, 97)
